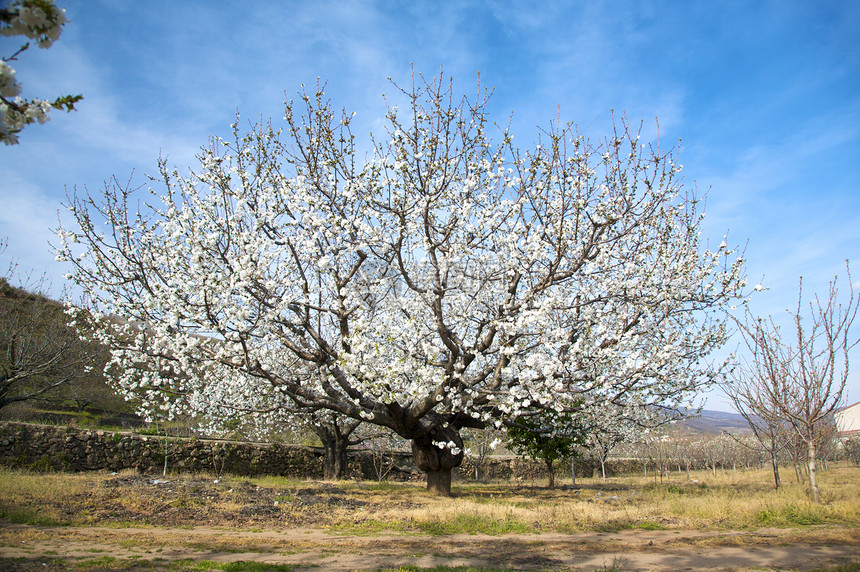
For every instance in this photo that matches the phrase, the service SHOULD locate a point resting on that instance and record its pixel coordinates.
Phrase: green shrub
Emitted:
(790, 515)
(41, 465)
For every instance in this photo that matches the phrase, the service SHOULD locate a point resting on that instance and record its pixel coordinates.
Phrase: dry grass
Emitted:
(32, 498)
(739, 501)
(729, 501)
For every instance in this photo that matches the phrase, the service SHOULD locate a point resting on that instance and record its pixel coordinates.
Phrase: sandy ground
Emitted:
(25, 547)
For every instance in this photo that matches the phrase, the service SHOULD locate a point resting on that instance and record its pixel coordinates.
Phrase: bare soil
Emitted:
(148, 523)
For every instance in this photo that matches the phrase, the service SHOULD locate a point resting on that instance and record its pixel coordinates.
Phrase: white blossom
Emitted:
(38, 20)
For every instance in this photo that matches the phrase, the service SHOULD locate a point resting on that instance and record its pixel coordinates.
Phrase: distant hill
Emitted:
(47, 372)
(715, 422)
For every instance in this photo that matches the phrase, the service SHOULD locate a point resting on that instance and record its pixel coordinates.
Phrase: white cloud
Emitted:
(26, 220)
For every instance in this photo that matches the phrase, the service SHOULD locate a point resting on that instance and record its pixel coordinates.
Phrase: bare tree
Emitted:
(802, 375)
(609, 426)
(752, 397)
(851, 449)
(480, 445)
(39, 352)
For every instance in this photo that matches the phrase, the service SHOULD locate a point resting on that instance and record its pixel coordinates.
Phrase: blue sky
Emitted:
(764, 97)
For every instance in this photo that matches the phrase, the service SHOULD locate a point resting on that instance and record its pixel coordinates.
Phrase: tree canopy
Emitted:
(442, 280)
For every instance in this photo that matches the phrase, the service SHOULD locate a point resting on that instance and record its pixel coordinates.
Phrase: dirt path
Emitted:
(99, 548)
(139, 522)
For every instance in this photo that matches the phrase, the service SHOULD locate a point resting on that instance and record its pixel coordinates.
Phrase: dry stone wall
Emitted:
(59, 448)
(42, 447)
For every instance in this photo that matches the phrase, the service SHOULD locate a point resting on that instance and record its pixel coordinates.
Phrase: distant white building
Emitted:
(848, 420)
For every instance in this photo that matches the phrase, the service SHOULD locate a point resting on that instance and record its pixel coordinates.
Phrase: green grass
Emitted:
(268, 481)
(105, 562)
(794, 515)
(34, 517)
(463, 523)
(474, 523)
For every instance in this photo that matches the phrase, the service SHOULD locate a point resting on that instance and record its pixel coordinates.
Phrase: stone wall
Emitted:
(44, 447)
(58, 448)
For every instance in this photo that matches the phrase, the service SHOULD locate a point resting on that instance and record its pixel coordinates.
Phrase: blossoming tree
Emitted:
(439, 281)
(42, 21)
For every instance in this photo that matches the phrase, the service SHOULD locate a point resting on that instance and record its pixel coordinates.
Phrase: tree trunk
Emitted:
(551, 474)
(775, 463)
(603, 469)
(164, 470)
(813, 480)
(437, 462)
(335, 444)
(439, 482)
(798, 472)
(166, 449)
(335, 460)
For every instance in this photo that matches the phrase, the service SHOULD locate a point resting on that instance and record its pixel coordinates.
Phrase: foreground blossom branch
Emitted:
(442, 281)
(38, 20)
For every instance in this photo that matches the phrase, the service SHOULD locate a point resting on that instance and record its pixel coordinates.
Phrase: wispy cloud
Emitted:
(26, 220)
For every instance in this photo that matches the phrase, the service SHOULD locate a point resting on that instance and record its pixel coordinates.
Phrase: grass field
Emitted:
(731, 500)
(733, 509)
